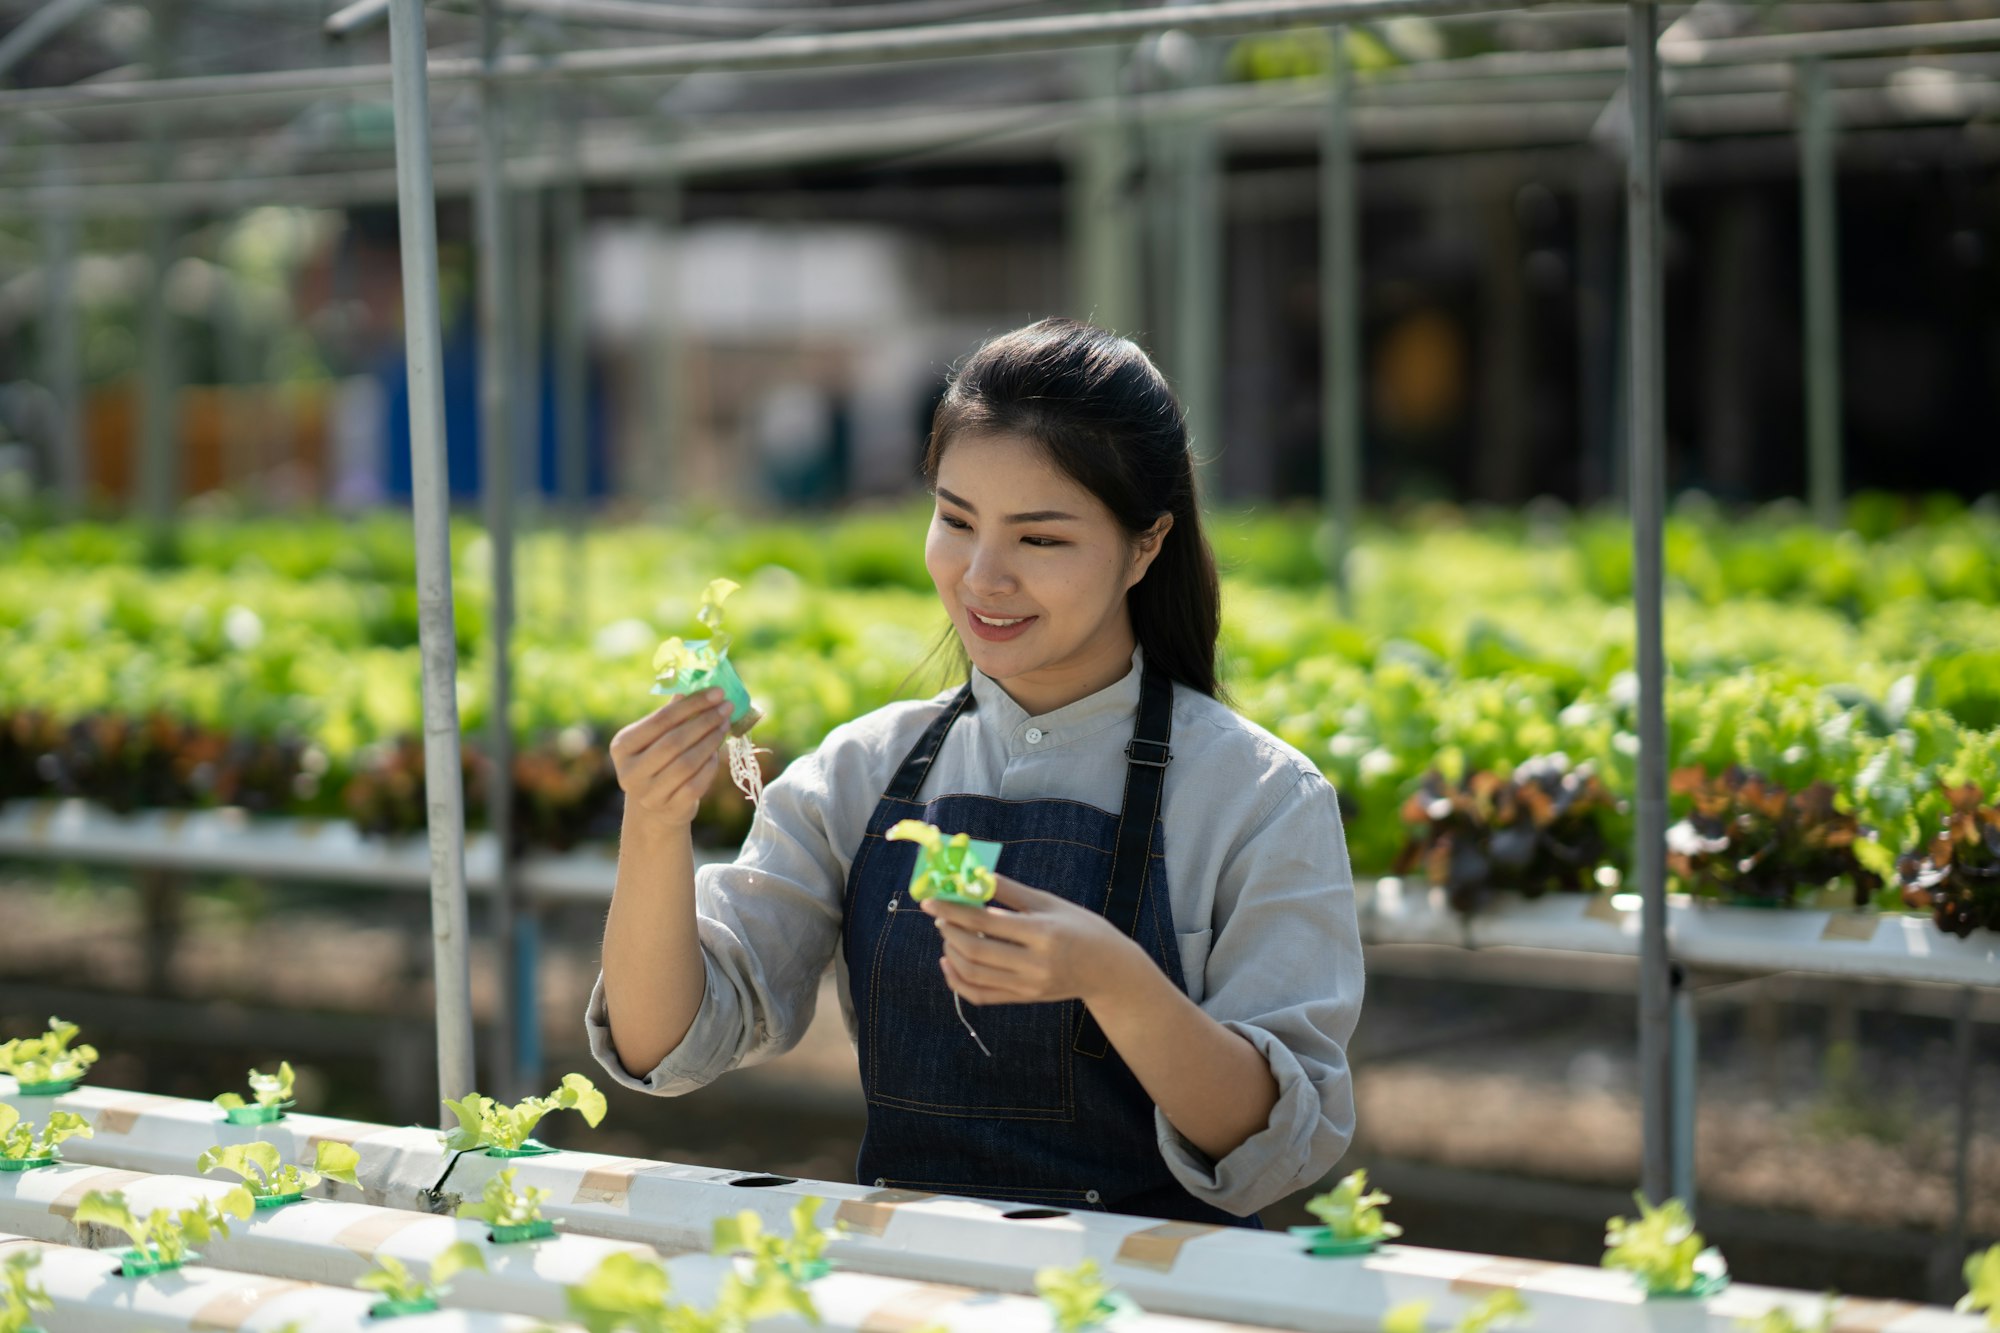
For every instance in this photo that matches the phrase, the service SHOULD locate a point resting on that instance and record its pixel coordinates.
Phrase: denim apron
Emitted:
(1053, 1117)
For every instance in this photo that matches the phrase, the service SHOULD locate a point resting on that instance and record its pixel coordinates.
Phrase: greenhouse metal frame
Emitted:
(1666, 1009)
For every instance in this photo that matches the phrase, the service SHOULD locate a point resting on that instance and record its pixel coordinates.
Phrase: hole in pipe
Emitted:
(762, 1182)
(1033, 1214)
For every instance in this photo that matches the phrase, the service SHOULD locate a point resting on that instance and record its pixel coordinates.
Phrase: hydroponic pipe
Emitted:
(1646, 427)
(430, 499)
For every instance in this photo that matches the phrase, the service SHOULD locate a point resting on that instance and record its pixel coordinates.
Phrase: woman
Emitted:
(1171, 971)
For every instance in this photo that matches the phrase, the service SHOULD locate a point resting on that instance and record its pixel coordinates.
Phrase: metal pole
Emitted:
(158, 435)
(61, 363)
(1686, 1039)
(1200, 220)
(1646, 432)
(1822, 292)
(41, 24)
(661, 204)
(1340, 306)
(572, 367)
(423, 342)
(1104, 230)
(519, 1010)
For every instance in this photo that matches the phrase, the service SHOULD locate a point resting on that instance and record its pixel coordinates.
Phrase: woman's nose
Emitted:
(989, 568)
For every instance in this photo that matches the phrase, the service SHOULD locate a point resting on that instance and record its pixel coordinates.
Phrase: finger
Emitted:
(697, 735)
(996, 922)
(689, 765)
(1013, 893)
(997, 955)
(976, 991)
(671, 714)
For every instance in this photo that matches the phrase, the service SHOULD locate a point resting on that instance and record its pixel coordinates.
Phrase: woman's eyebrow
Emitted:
(1033, 516)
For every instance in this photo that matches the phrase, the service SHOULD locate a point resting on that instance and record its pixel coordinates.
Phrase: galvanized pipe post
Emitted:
(1201, 186)
(572, 364)
(660, 202)
(1103, 224)
(158, 412)
(62, 372)
(1646, 433)
(423, 336)
(1820, 250)
(515, 1059)
(1340, 315)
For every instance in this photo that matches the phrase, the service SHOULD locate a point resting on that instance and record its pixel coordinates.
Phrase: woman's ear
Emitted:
(1149, 545)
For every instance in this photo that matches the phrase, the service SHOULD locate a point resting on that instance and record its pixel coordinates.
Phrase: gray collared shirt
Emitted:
(1257, 871)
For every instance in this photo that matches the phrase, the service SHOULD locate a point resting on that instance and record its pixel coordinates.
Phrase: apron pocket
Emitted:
(921, 1058)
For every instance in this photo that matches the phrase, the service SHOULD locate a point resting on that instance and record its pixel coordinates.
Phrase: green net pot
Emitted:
(528, 1148)
(26, 1163)
(1705, 1284)
(539, 1229)
(137, 1263)
(54, 1087)
(1320, 1243)
(391, 1309)
(257, 1114)
(722, 675)
(277, 1200)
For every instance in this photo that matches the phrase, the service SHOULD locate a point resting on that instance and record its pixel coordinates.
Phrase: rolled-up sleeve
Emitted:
(1284, 972)
(768, 923)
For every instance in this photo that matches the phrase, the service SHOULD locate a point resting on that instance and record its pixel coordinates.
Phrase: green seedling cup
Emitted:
(539, 1229)
(808, 1272)
(723, 674)
(277, 1200)
(53, 1088)
(25, 1163)
(1321, 1244)
(137, 1263)
(257, 1114)
(390, 1309)
(528, 1148)
(1705, 1284)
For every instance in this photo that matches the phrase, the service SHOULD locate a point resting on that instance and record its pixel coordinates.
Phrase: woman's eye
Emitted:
(951, 522)
(1043, 541)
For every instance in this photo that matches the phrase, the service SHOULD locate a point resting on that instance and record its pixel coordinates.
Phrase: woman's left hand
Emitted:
(1031, 947)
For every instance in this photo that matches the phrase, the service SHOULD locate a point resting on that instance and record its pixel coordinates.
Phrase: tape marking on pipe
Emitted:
(1599, 907)
(1159, 1248)
(232, 1309)
(912, 1309)
(120, 1116)
(104, 1178)
(367, 1236)
(1501, 1273)
(1854, 1316)
(1850, 926)
(610, 1184)
(870, 1213)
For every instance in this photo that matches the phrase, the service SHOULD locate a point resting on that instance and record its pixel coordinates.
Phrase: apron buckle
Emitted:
(1165, 755)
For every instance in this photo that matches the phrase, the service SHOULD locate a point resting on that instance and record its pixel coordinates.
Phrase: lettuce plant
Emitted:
(506, 1210)
(1748, 839)
(486, 1124)
(1982, 1281)
(1350, 1211)
(162, 1238)
(263, 1175)
(403, 1292)
(685, 667)
(1496, 1309)
(48, 1058)
(272, 1090)
(19, 1296)
(801, 1257)
(1778, 1319)
(1539, 830)
(1662, 1248)
(630, 1294)
(955, 869)
(1078, 1299)
(20, 1143)
(1956, 876)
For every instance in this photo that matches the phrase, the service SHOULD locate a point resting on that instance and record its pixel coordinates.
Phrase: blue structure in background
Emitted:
(461, 421)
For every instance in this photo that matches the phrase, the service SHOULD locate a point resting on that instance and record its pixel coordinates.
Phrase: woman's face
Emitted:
(1013, 539)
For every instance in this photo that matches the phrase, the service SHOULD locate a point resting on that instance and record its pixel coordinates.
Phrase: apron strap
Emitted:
(917, 763)
(1146, 758)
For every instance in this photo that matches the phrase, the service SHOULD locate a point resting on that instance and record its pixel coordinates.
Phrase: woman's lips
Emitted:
(996, 633)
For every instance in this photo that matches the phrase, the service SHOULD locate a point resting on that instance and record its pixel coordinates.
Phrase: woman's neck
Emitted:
(1059, 685)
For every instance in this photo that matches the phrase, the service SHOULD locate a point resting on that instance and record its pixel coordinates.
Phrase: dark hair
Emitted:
(1109, 422)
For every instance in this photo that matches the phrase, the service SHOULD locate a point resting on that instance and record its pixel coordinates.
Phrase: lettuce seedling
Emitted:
(688, 667)
(630, 1294)
(162, 1238)
(1350, 1211)
(266, 1179)
(485, 1124)
(48, 1058)
(19, 1296)
(1078, 1299)
(1662, 1249)
(511, 1215)
(1778, 1319)
(1498, 1308)
(403, 1292)
(20, 1143)
(1982, 1281)
(955, 869)
(270, 1091)
(801, 1257)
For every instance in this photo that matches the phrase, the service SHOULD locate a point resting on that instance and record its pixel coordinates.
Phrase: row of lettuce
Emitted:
(1660, 1248)
(1475, 705)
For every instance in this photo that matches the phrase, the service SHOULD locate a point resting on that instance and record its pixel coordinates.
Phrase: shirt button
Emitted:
(1034, 735)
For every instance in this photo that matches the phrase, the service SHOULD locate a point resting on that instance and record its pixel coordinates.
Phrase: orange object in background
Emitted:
(265, 442)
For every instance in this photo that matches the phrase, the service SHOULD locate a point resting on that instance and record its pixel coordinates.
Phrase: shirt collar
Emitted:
(1115, 703)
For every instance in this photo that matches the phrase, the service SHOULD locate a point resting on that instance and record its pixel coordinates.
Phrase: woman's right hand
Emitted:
(666, 761)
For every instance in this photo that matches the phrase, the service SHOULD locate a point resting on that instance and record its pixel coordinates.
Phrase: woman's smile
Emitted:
(997, 628)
